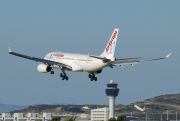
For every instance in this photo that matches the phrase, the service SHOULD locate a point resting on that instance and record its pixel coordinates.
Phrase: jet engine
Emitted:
(43, 68)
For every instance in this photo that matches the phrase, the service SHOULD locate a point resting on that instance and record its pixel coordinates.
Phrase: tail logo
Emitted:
(111, 44)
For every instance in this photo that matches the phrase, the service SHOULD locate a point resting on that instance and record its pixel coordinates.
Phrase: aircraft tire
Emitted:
(95, 78)
(66, 77)
(91, 79)
(90, 75)
(52, 72)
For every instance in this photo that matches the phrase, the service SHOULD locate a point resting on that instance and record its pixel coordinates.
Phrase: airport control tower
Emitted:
(111, 92)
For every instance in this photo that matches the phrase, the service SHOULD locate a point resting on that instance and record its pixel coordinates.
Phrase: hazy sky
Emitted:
(147, 29)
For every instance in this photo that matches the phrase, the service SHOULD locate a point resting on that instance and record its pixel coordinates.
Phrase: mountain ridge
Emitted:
(156, 105)
(9, 107)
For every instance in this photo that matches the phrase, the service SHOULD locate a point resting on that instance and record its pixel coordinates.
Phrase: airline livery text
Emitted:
(111, 41)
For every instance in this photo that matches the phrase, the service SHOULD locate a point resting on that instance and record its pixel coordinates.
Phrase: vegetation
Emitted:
(38, 119)
(156, 107)
(58, 118)
(70, 118)
(121, 118)
(112, 119)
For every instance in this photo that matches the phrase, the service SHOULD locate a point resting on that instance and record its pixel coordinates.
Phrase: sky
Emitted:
(146, 29)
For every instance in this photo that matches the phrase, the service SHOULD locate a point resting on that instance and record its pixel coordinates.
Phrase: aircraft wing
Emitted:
(47, 62)
(132, 61)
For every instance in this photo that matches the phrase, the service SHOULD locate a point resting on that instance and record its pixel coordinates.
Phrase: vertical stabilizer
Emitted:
(110, 47)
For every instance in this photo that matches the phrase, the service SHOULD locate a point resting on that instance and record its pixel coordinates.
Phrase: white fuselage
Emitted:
(78, 62)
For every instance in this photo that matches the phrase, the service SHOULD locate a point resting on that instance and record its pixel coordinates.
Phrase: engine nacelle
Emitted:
(43, 68)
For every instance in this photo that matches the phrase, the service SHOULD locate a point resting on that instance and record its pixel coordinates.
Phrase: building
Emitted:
(112, 92)
(33, 116)
(6, 117)
(100, 114)
(41, 117)
(84, 117)
(19, 117)
(25, 117)
(47, 116)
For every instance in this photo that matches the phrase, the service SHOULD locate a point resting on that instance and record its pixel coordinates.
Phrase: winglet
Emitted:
(167, 56)
(9, 49)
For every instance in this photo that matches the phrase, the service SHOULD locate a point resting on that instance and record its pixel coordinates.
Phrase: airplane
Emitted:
(139, 108)
(91, 64)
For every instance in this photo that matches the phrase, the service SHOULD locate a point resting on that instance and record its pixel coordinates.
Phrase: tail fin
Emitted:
(110, 47)
(144, 108)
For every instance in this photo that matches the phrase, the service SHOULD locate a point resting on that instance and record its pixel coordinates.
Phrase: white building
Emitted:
(84, 117)
(100, 114)
(19, 117)
(33, 116)
(43, 117)
(47, 116)
(24, 117)
(6, 117)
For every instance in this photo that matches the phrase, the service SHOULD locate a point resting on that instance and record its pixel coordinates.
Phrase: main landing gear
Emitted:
(92, 77)
(52, 72)
(64, 76)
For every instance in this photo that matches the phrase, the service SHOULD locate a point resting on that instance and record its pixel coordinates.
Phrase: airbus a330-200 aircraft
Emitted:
(84, 63)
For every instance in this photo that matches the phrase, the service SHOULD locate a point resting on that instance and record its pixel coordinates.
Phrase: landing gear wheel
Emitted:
(66, 78)
(91, 79)
(90, 75)
(95, 78)
(52, 72)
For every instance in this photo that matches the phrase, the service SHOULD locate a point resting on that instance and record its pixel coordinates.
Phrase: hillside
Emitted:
(8, 108)
(156, 106)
